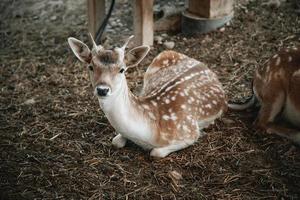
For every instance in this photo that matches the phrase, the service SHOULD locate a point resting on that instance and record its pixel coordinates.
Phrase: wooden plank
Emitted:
(143, 22)
(221, 8)
(211, 8)
(200, 8)
(96, 15)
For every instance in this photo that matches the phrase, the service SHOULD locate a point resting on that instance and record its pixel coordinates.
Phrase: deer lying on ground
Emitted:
(276, 87)
(180, 96)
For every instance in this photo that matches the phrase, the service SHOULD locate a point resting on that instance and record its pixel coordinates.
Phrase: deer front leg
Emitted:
(270, 108)
(288, 133)
(162, 152)
(119, 141)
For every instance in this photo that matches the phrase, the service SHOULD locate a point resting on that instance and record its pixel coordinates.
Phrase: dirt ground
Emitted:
(55, 142)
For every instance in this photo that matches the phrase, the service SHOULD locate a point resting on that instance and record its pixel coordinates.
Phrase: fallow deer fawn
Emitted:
(180, 96)
(276, 87)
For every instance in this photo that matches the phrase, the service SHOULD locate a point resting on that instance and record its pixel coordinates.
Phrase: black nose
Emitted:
(102, 91)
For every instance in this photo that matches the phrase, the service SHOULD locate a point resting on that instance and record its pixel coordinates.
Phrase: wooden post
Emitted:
(203, 16)
(143, 22)
(210, 8)
(96, 15)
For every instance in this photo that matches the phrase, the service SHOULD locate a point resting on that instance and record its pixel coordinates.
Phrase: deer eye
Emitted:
(122, 70)
(91, 68)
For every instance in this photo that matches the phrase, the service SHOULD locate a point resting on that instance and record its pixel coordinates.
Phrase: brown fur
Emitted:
(274, 83)
(107, 57)
(164, 98)
(180, 97)
(169, 56)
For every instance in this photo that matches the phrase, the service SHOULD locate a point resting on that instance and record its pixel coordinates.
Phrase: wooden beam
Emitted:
(211, 8)
(143, 22)
(200, 8)
(96, 15)
(203, 16)
(221, 8)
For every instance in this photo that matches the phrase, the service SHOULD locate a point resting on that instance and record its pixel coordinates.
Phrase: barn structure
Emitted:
(198, 17)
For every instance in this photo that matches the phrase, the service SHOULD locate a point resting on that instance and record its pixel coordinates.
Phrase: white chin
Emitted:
(104, 97)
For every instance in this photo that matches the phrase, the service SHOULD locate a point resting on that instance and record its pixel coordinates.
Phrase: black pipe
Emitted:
(101, 29)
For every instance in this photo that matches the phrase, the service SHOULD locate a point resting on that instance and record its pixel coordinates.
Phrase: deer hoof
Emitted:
(119, 141)
(158, 153)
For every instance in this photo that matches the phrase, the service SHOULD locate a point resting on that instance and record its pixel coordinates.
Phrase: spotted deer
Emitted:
(276, 88)
(180, 96)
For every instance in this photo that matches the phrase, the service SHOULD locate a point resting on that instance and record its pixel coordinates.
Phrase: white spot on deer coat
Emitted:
(166, 62)
(166, 117)
(146, 107)
(173, 117)
(154, 103)
(208, 106)
(152, 116)
(186, 92)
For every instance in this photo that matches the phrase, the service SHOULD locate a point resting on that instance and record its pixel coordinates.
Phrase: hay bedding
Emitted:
(55, 141)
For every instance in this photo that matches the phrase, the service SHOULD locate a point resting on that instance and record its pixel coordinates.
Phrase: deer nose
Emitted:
(102, 91)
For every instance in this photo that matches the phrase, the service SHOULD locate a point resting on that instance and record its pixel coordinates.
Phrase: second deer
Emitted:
(180, 96)
(276, 88)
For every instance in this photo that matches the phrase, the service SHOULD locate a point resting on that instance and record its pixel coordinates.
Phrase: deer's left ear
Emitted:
(81, 50)
(136, 55)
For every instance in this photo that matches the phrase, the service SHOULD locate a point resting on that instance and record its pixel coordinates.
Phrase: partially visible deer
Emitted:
(278, 3)
(180, 96)
(276, 88)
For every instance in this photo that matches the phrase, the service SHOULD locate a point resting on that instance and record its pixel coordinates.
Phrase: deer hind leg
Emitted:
(119, 141)
(270, 108)
(288, 133)
(162, 152)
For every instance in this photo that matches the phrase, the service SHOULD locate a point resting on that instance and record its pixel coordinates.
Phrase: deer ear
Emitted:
(81, 50)
(136, 55)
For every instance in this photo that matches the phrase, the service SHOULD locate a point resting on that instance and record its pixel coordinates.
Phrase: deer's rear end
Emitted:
(276, 87)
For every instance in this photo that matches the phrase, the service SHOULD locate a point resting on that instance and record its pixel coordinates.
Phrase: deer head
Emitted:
(107, 66)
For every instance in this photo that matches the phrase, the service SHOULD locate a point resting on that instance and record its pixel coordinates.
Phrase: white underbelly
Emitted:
(291, 113)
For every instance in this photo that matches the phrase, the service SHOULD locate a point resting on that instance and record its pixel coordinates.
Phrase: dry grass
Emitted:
(55, 141)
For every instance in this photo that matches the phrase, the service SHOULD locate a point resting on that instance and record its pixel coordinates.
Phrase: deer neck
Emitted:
(122, 113)
(120, 101)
